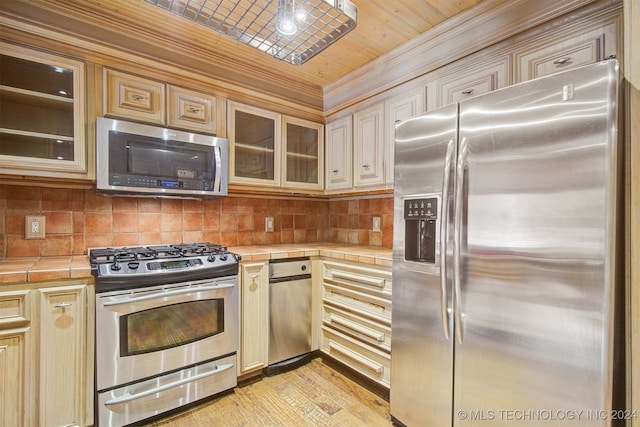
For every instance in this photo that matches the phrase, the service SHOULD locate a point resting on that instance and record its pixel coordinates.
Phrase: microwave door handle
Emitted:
(217, 158)
(129, 397)
(163, 294)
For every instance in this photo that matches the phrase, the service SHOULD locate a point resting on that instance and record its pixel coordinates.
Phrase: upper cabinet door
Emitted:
(368, 146)
(303, 154)
(339, 169)
(564, 53)
(42, 114)
(188, 109)
(254, 140)
(134, 97)
(402, 107)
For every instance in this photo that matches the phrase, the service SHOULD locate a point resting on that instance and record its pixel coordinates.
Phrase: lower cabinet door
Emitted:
(13, 388)
(63, 351)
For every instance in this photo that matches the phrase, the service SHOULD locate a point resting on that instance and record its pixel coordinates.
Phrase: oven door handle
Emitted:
(129, 397)
(163, 294)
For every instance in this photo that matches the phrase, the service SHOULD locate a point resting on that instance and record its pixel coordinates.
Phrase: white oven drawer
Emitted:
(148, 398)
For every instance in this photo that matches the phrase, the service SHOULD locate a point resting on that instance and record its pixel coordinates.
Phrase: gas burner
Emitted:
(166, 251)
(191, 249)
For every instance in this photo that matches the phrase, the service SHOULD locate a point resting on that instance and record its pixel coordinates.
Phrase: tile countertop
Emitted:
(35, 269)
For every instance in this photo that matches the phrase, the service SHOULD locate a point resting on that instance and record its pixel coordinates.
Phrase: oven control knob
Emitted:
(115, 266)
(211, 258)
(223, 257)
(133, 265)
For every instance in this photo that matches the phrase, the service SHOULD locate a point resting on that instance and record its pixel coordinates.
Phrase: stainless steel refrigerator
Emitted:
(504, 258)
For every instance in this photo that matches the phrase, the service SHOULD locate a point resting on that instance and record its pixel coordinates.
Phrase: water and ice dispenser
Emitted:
(420, 217)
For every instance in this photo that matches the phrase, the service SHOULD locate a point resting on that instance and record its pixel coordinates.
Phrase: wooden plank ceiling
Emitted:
(138, 25)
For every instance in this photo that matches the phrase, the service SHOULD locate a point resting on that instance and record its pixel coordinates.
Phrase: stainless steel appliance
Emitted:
(137, 158)
(289, 310)
(505, 258)
(166, 328)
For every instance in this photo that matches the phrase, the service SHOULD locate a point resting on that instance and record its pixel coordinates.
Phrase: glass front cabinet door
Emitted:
(303, 164)
(42, 114)
(254, 137)
(276, 151)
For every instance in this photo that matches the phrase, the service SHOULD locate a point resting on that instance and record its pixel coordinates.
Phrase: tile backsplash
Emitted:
(79, 219)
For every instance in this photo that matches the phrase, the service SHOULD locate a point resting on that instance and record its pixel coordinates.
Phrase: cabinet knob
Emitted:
(562, 61)
(63, 305)
(366, 167)
(335, 171)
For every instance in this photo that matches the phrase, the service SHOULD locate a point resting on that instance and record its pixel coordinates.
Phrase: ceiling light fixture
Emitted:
(286, 23)
(290, 30)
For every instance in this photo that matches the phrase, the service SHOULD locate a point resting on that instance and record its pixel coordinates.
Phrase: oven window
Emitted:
(170, 326)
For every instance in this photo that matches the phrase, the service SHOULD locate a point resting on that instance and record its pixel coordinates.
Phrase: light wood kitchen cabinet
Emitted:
(401, 107)
(304, 153)
(133, 97)
(63, 350)
(46, 354)
(142, 99)
(339, 146)
(42, 114)
(253, 351)
(255, 145)
(356, 317)
(566, 51)
(274, 151)
(467, 78)
(192, 110)
(15, 383)
(368, 146)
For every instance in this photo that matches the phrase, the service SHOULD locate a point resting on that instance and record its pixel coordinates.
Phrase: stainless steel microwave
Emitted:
(136, 158)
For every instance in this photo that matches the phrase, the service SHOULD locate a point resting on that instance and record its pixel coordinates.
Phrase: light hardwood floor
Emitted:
(311, 395)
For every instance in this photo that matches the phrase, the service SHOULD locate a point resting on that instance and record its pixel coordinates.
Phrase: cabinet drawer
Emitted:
(372, 330)
(581, 49)
(366, 303)
(134, 97)
(461, 84)
(14, 309)
(191, 110)
(365, 359)
(375, 281)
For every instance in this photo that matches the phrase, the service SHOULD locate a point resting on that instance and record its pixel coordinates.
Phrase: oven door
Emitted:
(145, 332)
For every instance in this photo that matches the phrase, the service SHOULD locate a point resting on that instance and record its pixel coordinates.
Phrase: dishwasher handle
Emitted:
(289, 278)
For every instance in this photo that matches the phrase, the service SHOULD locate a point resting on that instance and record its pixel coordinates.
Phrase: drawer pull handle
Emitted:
(357, 328)
(193, 109)
(63, 305)
(366, 167)
(467, 91)
(562, 61)
(359, 312)
(378, 283)
(357, 359)
(335, 171)
(137, 97)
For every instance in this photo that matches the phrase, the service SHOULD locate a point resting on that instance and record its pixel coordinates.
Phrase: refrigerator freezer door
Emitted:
(421, 355)
(536, 298)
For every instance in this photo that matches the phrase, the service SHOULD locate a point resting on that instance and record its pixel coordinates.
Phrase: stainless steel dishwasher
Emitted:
(289, 312)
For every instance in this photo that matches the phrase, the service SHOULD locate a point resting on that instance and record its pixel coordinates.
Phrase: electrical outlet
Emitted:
(34, 227)
(376, 224)
(268, 224)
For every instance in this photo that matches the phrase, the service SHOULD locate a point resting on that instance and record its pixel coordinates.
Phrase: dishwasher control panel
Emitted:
(289, 268)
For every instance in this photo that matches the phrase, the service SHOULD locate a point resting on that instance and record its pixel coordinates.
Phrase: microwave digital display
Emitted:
(138, 158)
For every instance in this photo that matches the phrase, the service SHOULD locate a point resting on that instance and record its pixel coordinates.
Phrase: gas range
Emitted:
(139, 266)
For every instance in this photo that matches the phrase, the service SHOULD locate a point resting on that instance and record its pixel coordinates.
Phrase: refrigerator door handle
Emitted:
(444, 216)
(461, 169)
